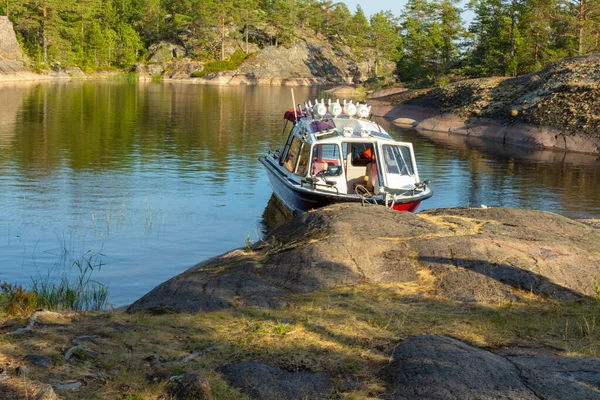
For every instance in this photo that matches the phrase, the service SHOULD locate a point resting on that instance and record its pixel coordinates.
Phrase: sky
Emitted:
(371, 7)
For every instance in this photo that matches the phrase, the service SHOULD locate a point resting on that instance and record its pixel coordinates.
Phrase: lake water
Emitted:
(150, 179)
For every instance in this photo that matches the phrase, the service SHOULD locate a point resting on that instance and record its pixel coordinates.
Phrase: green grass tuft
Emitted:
(79, 294)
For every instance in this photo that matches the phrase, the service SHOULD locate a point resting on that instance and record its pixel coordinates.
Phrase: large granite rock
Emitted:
(434, 367)
(473, 255)
(9, 47)
(164, 51)
(305, 58)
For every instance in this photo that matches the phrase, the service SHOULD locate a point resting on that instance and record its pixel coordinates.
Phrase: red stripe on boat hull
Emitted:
(412, 206)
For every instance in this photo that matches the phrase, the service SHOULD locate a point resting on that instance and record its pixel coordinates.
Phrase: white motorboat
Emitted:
(334, 153)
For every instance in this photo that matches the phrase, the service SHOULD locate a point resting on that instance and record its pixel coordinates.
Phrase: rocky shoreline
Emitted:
(555, 108)
(523, 135)
(444, 304)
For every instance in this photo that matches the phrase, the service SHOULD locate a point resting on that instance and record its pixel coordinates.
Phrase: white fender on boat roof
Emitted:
(363, 110)
(335, 109)
(349, 109)
(320, 109)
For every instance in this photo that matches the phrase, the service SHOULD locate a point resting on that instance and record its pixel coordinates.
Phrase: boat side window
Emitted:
(326, 160)
(397, 160)
(292, 155)
(287, 129)
(302, 167)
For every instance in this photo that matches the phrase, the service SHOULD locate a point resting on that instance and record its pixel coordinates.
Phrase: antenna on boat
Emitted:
(312, 111)
(294, 104)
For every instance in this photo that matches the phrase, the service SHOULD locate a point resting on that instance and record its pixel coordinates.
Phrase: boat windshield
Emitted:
(397, 160)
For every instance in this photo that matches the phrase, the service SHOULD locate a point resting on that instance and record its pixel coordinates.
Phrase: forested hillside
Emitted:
(427, 39)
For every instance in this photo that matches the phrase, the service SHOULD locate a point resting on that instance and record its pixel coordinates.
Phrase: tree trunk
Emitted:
(223, 37)
(580, 28)
(246, 31)
(513, 22)
(537, 48)
(44, 37)
(580, 39)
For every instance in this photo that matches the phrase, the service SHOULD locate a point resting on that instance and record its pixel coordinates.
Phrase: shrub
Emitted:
(232, 64)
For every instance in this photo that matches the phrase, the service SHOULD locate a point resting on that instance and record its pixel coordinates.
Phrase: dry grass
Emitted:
(352, 330)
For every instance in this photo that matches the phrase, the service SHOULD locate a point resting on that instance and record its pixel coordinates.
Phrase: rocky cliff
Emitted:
(554, 108)
(9, 47)
(12, 66)
(307, 61)
(11, 56)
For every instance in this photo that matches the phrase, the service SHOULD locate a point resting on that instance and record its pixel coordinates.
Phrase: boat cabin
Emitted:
(345, 154)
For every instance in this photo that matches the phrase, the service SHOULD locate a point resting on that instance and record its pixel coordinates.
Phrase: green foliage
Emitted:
(428, 41)
(282, 328)
(79, 294)
(431, 32)
(233, 63)
(15, 300)
(248, 244)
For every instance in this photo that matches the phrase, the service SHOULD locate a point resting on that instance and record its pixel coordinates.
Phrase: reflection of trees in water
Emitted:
(117, 126)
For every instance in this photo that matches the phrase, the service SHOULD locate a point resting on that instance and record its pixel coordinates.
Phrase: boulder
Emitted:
(305, 58)
(442, 123)
(208, 288)
(434, 367)
(46, 392)
(346, 91)
(188, 387)
(38, 361)
(262, 381)
(473, 255)
(164, 51)
(553, 377)
(155, 69)
(183, 68)
(531, 136)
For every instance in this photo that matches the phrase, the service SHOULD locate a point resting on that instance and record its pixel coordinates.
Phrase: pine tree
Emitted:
(359, 31)
(581, 16)
(490, 38)
(385, 39)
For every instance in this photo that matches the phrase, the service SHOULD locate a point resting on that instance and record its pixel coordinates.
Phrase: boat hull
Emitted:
(298, 199)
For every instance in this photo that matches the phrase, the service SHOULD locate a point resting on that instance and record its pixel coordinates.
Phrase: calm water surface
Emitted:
(150, 179)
